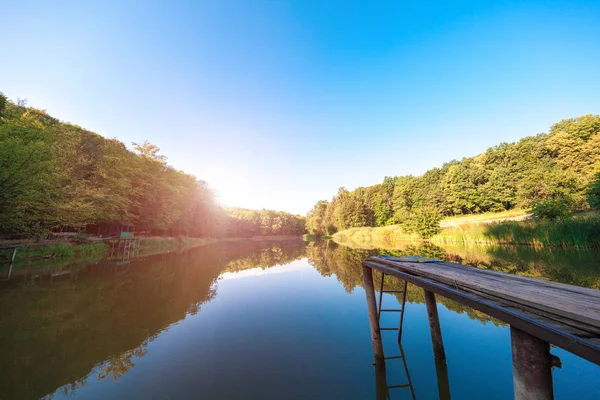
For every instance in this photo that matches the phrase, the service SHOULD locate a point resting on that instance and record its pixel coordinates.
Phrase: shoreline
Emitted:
(56, 254)
(579, 233)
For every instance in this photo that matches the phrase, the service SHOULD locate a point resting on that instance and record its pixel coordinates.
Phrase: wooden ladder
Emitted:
(408, 385)
(400, 310)
(401, 356)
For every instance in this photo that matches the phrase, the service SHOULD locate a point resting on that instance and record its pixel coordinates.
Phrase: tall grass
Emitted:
(61, 250)
(484, 217)
(578, 232)
(368, 235)
(57, 255)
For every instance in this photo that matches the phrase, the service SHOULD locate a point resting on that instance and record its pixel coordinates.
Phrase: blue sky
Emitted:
(277, 103)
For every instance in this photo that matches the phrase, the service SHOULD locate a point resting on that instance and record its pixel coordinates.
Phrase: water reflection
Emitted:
(59, 327)
(581, 267)
(74, 329)
(575, 267)
(383, 388)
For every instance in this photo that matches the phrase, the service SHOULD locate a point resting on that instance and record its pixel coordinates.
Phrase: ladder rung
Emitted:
(399, 386)
(393, 291)
(390, 310)
(389, 329)
(393, 358)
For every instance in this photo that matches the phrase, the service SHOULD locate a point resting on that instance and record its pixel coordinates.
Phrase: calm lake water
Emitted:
(260, 320)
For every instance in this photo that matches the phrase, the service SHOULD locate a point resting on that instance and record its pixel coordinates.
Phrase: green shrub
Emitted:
(81, 238)
(558, 207)
(593, 193)
(424, 222)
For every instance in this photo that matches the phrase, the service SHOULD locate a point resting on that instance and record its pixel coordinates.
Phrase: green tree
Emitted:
(28, 195)
(554, 208)
(424, 221)
(593, 193)
(537, 170)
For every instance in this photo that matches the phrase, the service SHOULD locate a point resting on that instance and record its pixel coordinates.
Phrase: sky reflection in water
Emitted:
(293, 328)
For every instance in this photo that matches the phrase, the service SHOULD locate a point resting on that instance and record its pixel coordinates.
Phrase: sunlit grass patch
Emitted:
(579, 232)
(484, 217)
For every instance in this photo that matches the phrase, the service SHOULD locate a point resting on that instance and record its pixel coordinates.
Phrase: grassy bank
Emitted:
(580, 232)
(57, 254)
(59, 250)
(373, 236)
(94, 251)
(488, 217)
(309, 237)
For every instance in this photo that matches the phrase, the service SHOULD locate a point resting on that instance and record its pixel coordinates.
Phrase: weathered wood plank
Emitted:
(561, 336)
(580, 306)
(503, 275)
(574, 327)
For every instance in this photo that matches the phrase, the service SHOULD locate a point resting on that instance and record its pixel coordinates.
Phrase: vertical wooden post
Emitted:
(441, 370)
(381, 387)
(12, 260)
(404, 296)
(434, 326)
(373, 320)
(532, 363)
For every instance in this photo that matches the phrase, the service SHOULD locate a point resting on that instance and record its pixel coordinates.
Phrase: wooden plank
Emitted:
(553, 323)
(526, 279)
(575, 327)
(585, 348)
(488, 272)
(575, 305)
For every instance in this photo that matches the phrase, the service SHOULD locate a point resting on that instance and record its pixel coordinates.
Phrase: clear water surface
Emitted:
(260, 320)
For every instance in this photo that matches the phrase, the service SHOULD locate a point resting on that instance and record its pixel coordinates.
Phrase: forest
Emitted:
(57, 176)
(552, 173)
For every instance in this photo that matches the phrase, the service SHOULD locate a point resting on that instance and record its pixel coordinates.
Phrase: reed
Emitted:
(61, 250)
(579, 232)
(368, 235)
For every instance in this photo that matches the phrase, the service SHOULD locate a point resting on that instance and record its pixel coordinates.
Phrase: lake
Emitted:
(261, 320)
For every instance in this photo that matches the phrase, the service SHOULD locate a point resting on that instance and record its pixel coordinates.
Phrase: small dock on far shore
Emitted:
(539, 313)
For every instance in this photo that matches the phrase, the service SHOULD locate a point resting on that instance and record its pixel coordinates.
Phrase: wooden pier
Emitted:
(539, 313)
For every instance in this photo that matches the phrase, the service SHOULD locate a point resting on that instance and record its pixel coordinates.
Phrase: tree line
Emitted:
(246, 223)
(55, 175)
(549, 170)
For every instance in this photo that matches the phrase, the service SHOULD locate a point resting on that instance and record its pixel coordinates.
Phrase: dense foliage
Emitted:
(593, 193)
(55, 175)
(552, 169)
(551, 209)
(245, 223)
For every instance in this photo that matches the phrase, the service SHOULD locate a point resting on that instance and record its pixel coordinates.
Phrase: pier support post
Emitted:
(434, 325)
(12, 260)
(441, 370)
(532, 363)
(373, 320)
(381, 386)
